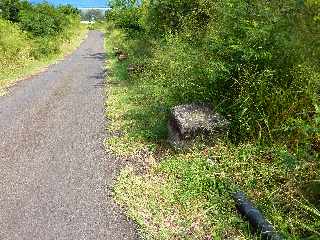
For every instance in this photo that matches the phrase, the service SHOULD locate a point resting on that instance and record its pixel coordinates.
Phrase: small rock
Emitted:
(192, 120)
(122, 56)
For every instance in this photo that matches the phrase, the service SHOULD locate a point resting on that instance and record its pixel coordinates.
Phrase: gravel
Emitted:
(55, 176)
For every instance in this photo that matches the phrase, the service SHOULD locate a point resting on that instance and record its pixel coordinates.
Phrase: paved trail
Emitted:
(54, 172)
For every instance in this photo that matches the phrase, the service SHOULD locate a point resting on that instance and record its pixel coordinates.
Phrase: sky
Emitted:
(78, 3)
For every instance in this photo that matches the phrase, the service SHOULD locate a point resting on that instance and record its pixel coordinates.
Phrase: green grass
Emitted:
(187, 194)
(193, 188)
(143, 124)
(28, 66)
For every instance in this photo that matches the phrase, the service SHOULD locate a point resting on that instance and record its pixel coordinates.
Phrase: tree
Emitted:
(42, 20)
(92, 15)
(9, 9)
(123, 3)
(69, 10)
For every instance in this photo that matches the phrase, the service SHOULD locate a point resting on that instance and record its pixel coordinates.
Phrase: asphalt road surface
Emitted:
(54, 172)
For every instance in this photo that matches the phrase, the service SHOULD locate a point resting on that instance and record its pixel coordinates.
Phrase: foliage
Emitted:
(125, 14)
(123, 4)
(9, 9)
(33, 33)
(44, 20)
(257, 62)
(187, 195)
(250, 59)
(40, 19)
(15, 47)
(165, 16)
(68, 10)
(92, 15)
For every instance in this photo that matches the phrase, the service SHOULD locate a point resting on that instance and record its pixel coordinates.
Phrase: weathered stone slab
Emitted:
(122, 56)
(192, 120)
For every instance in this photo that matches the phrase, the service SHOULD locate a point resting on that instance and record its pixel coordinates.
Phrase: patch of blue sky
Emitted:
(77, 3)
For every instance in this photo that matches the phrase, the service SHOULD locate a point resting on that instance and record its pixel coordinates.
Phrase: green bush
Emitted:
(257, 62)
(9, 9)
(165, 16)
(45, 24)
(269, 75)
(32, 31)
(42, 20)
(126, 19)
(15, 46)
(39, 19)
(45, 47)
(69, 10)
(125, 14)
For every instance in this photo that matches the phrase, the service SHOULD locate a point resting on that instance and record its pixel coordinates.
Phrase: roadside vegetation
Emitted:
(34, 35)
(92, 15)
(258, 63)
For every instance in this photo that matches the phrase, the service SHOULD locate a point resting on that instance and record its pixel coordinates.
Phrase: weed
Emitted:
(258, 64)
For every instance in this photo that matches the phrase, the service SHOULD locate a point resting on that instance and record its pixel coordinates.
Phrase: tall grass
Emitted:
(15, 46)
(257, 62)
(25, 45)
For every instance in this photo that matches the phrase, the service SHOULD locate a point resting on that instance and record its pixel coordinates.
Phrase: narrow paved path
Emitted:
(54, 172)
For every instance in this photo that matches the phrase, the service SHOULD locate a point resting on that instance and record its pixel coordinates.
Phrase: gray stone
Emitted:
(122, 56)
(192, 120)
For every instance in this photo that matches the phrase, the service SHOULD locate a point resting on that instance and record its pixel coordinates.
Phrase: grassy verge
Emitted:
(30, 66)
(186, 194)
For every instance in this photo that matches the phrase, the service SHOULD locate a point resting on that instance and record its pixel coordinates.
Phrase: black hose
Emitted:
(257, 221)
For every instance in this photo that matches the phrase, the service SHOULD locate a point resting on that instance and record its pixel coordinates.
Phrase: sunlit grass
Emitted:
(187, 194)
(30, 66)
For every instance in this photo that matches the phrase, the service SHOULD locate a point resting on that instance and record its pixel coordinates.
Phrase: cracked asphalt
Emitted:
(55, 176)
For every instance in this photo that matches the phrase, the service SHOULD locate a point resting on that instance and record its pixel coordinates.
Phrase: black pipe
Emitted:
(257, 221)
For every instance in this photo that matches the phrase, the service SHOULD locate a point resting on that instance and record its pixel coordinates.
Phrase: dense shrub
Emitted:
(15, 46)
(39, 19)
(45, 47)
(9, 9)
(268, 75)
(257, 61)
(69, 10)
(32, 31)
(161, 17)
(43, 20)
(125, 14)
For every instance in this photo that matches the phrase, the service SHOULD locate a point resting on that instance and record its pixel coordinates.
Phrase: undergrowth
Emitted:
(252, 61)
(28, 42)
